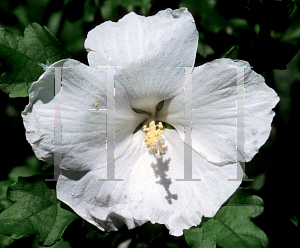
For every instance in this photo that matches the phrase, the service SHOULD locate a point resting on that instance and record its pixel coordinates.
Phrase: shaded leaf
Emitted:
(148, 232)
(292, 33)
(4, 202)
(36, 211)
(31, 167)
(92, 234)
(23, 58)
(5, 241)
(297, 2)
(74, 10)
(231, 226)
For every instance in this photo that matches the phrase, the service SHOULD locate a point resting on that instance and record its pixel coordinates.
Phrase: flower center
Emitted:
(155, 143)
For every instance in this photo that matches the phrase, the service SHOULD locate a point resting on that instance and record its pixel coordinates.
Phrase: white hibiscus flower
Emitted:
(149, 49)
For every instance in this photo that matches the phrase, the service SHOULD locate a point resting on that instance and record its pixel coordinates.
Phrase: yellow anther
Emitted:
(160, 125)
(96, 104)
(153, 138)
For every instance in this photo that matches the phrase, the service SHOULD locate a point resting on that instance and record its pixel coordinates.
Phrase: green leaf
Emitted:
(109, 8)
(167, 125)
(4, 202)
(36, 211)
(5, 241)
(139, 111)
(160, 105)
(32, 167)
(210, 19)
(92, 234)
(204, 49)
(232, 53)
(24, 58)
(292, 34)
(297, 2)
(231, 226)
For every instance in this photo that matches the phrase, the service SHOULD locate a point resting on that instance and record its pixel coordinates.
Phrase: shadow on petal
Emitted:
(74, 175)
(160, 170)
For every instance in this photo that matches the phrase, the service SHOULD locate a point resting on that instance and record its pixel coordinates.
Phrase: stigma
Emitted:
(153, 139)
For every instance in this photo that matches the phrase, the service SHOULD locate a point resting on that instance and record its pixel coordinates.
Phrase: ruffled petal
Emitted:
(149, 190)
(83, 123)
(214, 111)
(149, 49)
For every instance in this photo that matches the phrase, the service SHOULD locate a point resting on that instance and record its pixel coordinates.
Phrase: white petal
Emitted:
(149, 49)
(214, 118)
(150, 191)
(83, 142)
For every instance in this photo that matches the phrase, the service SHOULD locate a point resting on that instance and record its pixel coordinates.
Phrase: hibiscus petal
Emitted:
(149, 49)
(84, 124)
(214, 114)
(149, 190)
